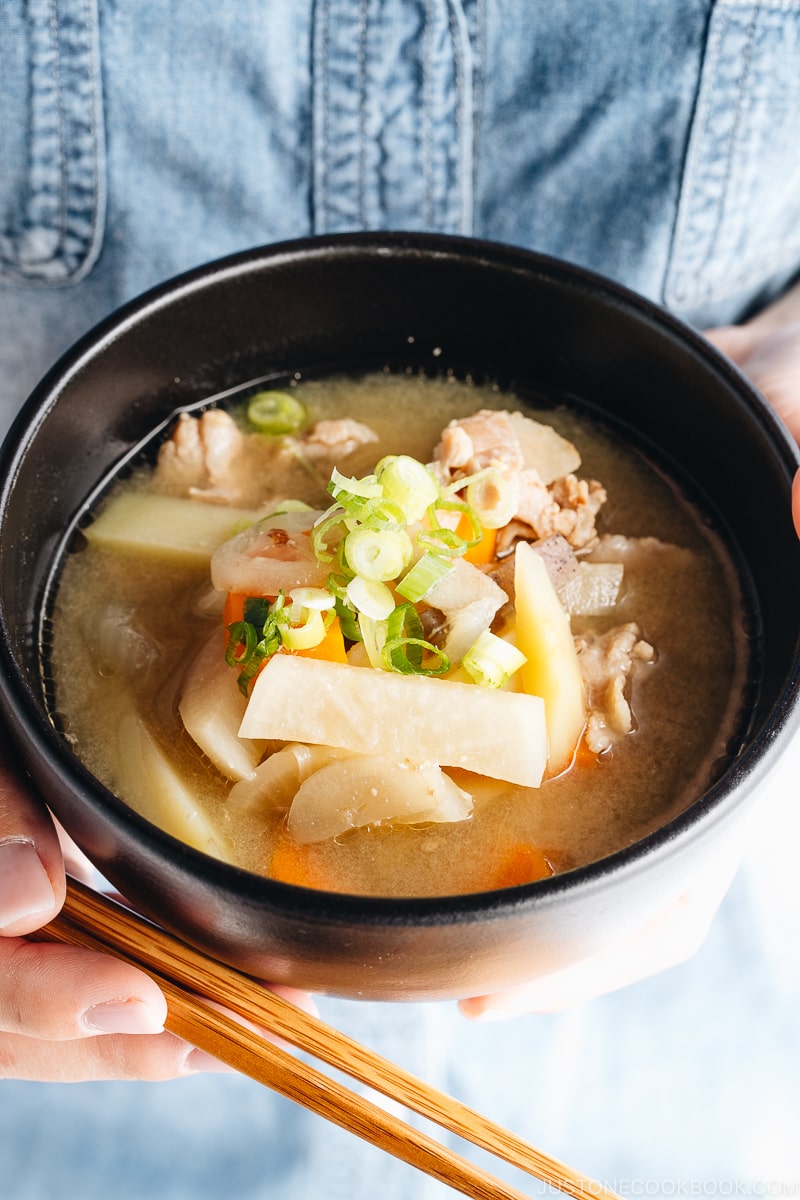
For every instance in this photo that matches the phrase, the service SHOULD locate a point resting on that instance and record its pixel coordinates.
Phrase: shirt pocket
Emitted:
(52, 184)
(738, 219)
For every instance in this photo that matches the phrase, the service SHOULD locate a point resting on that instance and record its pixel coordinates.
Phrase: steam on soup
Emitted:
(441, 644)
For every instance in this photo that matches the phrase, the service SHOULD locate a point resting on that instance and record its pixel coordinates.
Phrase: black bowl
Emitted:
(361, 302)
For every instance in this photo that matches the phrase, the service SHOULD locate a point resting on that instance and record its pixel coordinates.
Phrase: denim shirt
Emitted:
(655, 141)
(652, 140)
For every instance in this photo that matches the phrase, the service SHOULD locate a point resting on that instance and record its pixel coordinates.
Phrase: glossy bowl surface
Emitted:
(365, 301)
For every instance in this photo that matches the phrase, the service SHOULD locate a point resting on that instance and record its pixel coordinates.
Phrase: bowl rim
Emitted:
(29, 722)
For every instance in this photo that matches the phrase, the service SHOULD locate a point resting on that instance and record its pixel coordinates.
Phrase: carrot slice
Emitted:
(331, 648)
(233, 609)
(584, 757)
(522, 863)
(484, 551)
(293, 863)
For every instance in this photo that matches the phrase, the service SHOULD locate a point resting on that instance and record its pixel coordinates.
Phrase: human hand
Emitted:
(67, 1013)
(665, 940)
(767, 349)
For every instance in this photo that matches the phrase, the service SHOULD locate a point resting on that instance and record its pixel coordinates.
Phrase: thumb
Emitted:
(32, 884)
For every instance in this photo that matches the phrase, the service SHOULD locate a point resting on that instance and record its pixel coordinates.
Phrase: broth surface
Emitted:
(681, 591)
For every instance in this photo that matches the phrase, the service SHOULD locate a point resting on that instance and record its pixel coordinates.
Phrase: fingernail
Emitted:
(122, 1016)
(200, 1060)
(25, 887)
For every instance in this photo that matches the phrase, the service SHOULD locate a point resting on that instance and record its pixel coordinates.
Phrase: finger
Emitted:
(770, 356)
(153, 1058)
(60, 993)
(735, 341)
(301, 1000)
(666, 940)
(32, 884)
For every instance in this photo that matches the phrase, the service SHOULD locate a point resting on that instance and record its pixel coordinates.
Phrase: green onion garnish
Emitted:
(408, 483)
(304, 636)
(491, 661)
(493, 498)
(380, 554)
(425, 574)
(367, 488)
(276, 413)
(406, 650)
(370, 597)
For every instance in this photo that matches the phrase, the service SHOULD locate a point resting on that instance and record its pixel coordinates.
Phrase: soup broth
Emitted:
(130, 619)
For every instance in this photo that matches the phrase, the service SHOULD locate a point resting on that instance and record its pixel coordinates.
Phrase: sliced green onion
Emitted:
(491, 661)
(255, 639)
(367, 488)
(380, 554)
(242, 641)
(276, 413)
(373, 635)
(370, 597)
(408, 483)
(425, 574)
(256, 611)
(303, 637)
(347, 620)
(493, 497)
(442, 540)
(405, 648)
(320, 530)
(399, 655)
(315, 599)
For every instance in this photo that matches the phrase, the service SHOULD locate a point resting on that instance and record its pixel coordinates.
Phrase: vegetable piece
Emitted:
(494, 496)
(378, 554)
(298, 865)
(427, 571)
(500, 734)
(370, 597)
(157, 791)
(520, 864)
(275, 781)
(408, 483)
(406, 649)
(276, 413)
(559, 558)
(482, 552)
(211, 708)
(166, 527)
(469, 600)
(331, 647)
(272, 556)
(544, 636)
(491, 660)
(593, 590)
(544, 449)
(355, 792)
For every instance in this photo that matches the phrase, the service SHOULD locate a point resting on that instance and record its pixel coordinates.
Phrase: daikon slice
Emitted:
(424, 719)
(211, 708)
(370, 790)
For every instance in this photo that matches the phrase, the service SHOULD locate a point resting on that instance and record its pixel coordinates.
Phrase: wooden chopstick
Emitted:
(97, 922)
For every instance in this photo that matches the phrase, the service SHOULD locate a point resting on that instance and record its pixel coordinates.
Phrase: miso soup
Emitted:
(468, 643)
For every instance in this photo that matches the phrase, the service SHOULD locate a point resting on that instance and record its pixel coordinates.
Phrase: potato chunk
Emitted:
(366, 711)
(165, 527)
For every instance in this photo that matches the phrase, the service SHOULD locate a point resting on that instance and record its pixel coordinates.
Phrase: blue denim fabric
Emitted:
(653, 140)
